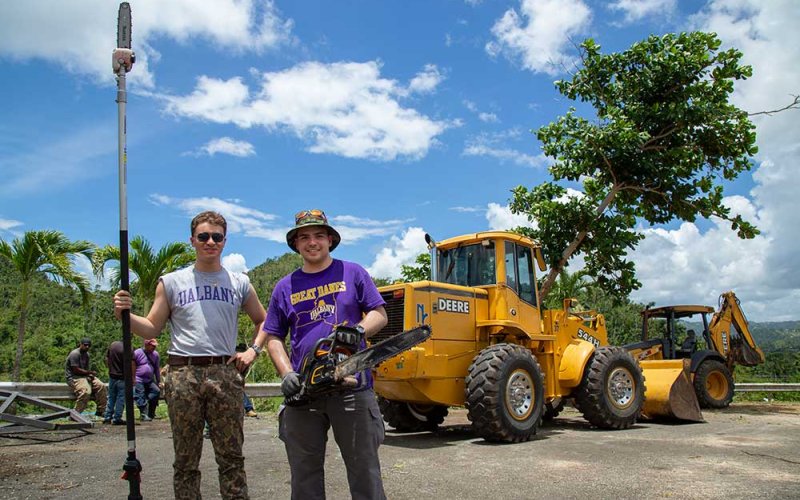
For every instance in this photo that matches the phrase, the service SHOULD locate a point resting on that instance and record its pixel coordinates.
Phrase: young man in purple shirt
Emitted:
(308, 304)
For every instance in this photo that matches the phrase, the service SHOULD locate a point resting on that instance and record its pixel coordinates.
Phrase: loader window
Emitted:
(511, 266)
(527, 292)
(519, 271)
(469, 265)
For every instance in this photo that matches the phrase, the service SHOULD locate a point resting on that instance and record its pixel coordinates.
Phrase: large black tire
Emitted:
(505, 394)
(611, 394)
(713, 384)
(409, 417)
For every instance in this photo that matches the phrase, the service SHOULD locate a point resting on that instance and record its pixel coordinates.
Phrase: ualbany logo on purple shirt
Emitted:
(206, 292)
(322, 310)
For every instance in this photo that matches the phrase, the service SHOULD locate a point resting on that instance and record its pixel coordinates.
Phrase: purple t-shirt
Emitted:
(310, 305)
(146, 371)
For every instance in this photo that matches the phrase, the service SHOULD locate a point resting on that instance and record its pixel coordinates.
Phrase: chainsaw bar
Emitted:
(377, 353)
(124, 26)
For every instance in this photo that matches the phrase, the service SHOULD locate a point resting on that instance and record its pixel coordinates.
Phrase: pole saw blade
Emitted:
(124, 26)
(377, 353)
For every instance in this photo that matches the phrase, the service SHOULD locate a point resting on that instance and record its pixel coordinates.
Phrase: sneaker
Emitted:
(146, 418)
(251, 413)
(106, 420)
(118, 422)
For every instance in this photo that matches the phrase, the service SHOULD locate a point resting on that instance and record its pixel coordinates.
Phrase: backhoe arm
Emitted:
(737, 345)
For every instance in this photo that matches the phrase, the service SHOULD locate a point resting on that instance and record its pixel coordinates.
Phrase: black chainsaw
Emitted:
(331, 365)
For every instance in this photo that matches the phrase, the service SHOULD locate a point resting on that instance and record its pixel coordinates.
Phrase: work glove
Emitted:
(350, 335)
(290, 384)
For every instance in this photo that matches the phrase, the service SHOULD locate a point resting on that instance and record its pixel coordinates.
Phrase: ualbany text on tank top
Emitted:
(318, 292)
(206, 292)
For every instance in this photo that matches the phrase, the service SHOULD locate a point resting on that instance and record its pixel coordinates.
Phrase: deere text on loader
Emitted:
(724, 342)
(494, 351)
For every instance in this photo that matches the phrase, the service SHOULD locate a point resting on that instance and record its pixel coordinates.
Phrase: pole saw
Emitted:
(122, 62)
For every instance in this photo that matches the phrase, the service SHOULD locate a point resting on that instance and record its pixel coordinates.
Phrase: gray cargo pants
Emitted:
(358, 430)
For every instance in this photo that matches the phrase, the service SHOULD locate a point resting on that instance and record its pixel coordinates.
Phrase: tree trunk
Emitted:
(23, 316)
(574, 246)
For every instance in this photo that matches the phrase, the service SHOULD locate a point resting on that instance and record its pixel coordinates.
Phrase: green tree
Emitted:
(420, 272)
(664, 138)
(568, 285)
(147, 265)
(42, 253)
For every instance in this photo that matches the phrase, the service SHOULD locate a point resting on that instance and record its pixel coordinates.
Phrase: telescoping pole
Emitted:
(123, 59)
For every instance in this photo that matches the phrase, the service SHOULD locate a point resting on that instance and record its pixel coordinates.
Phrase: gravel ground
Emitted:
(746, 451)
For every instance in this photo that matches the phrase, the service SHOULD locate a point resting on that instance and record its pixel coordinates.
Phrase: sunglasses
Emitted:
(203, 237)
(310, 215)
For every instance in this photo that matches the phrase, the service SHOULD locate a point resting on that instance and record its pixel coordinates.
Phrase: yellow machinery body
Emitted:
(489, 296)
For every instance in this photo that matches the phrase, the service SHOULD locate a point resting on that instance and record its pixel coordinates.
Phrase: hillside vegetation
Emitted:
(57, 321)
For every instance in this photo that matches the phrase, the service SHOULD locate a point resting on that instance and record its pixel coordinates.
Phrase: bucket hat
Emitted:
(309, 218)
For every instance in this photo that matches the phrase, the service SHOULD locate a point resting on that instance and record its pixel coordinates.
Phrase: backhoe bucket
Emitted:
(670, 393)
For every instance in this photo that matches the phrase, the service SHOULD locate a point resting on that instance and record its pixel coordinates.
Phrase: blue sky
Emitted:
(396, 117)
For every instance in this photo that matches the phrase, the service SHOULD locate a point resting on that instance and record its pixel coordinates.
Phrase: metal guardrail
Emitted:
(757, 387)
(53, 391)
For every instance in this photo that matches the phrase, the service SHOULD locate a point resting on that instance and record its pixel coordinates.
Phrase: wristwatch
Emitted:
(256, 348)
(360, 329)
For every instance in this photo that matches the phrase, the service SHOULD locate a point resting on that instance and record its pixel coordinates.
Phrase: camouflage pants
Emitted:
(196, 395)
(85, 390)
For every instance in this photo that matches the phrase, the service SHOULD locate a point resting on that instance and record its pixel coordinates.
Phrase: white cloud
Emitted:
(228, 146)
(9, 224)
(241, 219)
(235, 262)
(538, 35)
(426, 80)
(397, 252)
(342, 108)
(636, 10)
(500, 218)
(696, 267)
(482, 116)
(468, 209)
(494, 146)
(85, 32)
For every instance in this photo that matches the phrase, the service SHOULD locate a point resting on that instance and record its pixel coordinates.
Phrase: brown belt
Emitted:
(196, 360)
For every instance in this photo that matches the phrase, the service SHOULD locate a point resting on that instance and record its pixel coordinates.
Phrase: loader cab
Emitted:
(500, 262)
(488, 259)
(660, 325)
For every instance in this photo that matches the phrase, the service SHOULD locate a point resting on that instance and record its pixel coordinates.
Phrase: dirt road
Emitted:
(746, 451)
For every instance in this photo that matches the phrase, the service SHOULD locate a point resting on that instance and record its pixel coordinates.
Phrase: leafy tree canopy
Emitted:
(419, 272)
(664, 139)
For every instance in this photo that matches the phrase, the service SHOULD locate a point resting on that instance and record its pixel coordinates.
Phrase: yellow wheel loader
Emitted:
(708, 361)
(493, 349)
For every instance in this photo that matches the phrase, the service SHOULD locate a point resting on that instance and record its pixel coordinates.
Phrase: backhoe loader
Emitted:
(725, 342)
(495, 351)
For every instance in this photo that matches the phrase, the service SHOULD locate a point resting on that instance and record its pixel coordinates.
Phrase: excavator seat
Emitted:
(689, 345)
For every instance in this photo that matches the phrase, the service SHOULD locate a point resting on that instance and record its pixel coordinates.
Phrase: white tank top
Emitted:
(204, 310)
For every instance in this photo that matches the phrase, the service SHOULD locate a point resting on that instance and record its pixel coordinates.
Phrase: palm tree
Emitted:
(145, 264)
(568, 285)
(43, 253)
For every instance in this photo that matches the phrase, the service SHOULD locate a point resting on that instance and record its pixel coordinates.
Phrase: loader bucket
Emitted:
(670, 393)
